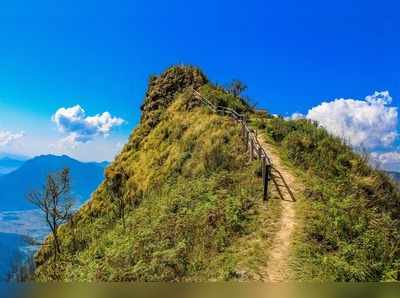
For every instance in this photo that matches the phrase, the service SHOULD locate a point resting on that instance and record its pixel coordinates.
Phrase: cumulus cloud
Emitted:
(81, 128)
(296, 116)
(369, 123)
(382, 97)
(389, 161)
(7, 137)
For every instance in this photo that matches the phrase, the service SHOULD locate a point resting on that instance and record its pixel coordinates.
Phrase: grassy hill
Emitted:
(351, 212)
(195, 202)
(195, 209)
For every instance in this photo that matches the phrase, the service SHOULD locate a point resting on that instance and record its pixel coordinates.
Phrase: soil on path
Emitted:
(277, 269)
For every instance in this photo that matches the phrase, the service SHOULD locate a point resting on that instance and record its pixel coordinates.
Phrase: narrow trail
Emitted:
(277, 269)
(286, 187)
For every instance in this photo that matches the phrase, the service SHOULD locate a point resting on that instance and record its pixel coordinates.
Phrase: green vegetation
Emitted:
(56, 203)
(192, 207)
(182, 202)
(220, 97)
(350, 218)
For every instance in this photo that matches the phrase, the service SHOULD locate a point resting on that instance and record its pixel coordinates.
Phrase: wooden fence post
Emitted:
(253, 145)
(266, 180)
(247, 139)
(263, 168)
(251, 149)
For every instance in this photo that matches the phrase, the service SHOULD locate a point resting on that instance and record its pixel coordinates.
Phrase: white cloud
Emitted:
(7, 137)
(370, 122)
(296, 116)
(382, 97)
(81, 128)
(389, 161)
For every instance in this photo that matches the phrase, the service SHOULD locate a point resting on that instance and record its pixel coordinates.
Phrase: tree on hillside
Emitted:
(56, 202)
(236, 87)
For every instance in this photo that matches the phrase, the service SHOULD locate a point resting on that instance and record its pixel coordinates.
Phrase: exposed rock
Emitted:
(162, 89)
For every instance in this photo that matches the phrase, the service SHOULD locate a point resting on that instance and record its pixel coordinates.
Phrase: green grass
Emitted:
(350, 214)
(195, 207)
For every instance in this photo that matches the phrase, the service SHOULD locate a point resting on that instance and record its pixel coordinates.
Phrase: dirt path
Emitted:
(277, 269)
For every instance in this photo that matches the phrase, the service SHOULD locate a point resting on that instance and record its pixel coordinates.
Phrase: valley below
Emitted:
(22, 227)
(25, 222)
(16, 229)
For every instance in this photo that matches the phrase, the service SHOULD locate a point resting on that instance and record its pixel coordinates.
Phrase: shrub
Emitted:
(220, 97)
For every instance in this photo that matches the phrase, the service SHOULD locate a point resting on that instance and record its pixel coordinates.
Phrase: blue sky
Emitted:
(293, 55)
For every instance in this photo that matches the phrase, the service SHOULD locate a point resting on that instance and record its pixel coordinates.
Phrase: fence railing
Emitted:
(249, 136)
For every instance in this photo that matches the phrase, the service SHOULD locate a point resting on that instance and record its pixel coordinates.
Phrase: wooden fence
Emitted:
(256, 151)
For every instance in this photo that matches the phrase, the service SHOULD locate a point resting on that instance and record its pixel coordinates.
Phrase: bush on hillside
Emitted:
(220, 97)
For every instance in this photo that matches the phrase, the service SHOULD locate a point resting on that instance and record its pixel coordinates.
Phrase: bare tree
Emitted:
(237, 87)
(250, 102)
(115, 194)
(56, 203)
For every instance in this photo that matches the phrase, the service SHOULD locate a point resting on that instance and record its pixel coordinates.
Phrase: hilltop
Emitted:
(194, 201)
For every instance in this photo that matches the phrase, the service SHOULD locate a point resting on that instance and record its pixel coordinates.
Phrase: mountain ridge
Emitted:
(8, 165)
(194, 201)
(14, 156)
(32, 173)
(192, 197)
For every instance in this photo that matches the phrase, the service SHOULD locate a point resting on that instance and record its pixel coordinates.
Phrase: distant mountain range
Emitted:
(18, 177)
(13, 156)
(8, 165)
(31, 175)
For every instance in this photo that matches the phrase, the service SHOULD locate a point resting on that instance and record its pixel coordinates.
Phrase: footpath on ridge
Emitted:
(279, 179)
(287, 186)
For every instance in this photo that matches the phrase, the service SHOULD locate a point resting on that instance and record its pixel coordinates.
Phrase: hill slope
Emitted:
(32, 174)
(194, 201)
(349, 212)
